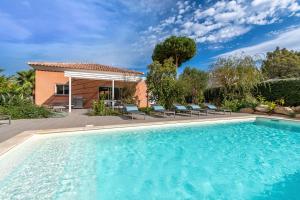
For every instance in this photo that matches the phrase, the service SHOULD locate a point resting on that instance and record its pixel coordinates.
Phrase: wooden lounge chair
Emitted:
(196, 109)
(6, 117)
(213, 108)
(133, 110)
(182, 109)
(161, 110)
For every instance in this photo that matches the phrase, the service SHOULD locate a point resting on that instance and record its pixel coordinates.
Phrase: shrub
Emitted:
(236, 105)
(25, 111)
(283, 92)
(233, 105)
(215, 95)
(287, 90)
(100, 109)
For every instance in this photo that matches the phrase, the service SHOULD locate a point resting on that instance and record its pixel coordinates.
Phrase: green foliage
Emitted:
(162, 84)
(26, 82)
(17, 88)
(25, 110)
(233, 105)
(237, 76)
(281, 63)
(271, 105)
(100, 109)
(261, 99)
(180, 49)
(193, 83)
(237, 104)
(286, 89)
(280, 102)
(215, 95)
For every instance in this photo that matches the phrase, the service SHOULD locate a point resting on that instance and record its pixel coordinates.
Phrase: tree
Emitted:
(236, 75)
(26, 80)
(281, 63)
(161, 82)
(194, 82)
(180, 49)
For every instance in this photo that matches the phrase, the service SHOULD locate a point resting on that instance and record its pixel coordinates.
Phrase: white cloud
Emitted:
(223, 20)
(288, 39)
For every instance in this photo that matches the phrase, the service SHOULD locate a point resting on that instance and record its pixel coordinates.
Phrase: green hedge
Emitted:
(215, 95)
(25, 111)
(288, 89)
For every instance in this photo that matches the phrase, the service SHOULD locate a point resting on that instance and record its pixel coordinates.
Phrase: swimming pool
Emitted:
(255, 159)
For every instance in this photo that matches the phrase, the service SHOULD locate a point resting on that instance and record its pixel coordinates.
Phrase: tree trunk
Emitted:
(176, 61)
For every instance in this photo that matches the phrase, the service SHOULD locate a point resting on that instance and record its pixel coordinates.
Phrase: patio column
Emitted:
(113, 94)
(70, 94)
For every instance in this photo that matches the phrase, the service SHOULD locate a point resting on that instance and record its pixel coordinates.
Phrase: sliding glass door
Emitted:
(106, 93)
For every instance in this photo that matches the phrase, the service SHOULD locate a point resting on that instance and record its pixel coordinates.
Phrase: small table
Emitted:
(59, 108)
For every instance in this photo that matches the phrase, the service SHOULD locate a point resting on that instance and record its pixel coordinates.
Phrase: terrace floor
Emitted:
(78, 119)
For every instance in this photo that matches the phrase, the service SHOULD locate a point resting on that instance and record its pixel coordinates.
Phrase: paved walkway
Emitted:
(78, 119)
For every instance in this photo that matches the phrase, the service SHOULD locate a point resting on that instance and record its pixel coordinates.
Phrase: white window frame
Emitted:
(64, 85)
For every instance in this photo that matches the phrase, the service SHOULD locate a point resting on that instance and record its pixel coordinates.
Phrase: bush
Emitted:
(25, 111)
(100, 109)
(285, 90)
(215, 95)
(233, 105)
(236, 104)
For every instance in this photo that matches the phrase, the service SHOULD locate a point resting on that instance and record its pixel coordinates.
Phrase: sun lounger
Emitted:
(133, 110)
(182, 109)
(213, 108)
(6, 117)
(161, 110)
(196, 109)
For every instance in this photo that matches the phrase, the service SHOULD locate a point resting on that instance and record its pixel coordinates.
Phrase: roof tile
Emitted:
(83, 66)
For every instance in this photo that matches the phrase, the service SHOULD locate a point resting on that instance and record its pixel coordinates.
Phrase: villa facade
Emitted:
(60, 83)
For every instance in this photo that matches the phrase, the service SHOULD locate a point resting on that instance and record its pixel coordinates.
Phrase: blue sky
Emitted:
(124, 33)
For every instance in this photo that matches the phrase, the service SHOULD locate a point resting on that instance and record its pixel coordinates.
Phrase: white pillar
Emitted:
(70, 94)
(113, 94)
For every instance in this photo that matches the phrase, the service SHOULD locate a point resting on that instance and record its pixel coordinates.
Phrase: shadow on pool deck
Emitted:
(78, 118)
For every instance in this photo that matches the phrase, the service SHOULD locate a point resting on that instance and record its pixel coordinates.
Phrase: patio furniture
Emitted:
(212, 107)
(6, 117)
(77, 101)
(196, 109)
(133, 110)
(182, 109)
(59, 108)
(161, 110)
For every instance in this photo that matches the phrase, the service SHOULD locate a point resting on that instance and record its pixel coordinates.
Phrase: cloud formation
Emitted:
(220, 21)
(285, 39)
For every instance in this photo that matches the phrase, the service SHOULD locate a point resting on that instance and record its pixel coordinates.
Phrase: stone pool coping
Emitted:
(24, 136)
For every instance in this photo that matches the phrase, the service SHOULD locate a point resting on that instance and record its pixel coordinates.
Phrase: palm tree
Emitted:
(26, 80)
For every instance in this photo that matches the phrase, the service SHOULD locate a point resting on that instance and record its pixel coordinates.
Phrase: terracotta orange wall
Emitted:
(141, 94)
(45, 87)
(88, 89)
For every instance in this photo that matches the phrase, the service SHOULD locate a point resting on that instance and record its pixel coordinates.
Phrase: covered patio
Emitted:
(112, 78)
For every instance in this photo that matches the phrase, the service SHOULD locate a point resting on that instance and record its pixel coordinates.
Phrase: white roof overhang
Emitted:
(102, 76)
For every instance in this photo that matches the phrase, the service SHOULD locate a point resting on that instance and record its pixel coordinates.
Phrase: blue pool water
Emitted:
(242, 160)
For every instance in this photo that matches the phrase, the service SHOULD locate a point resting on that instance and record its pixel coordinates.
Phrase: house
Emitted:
(59, 83)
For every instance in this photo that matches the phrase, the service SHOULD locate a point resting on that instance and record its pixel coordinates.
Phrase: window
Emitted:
(62, 89)
(107, 93)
